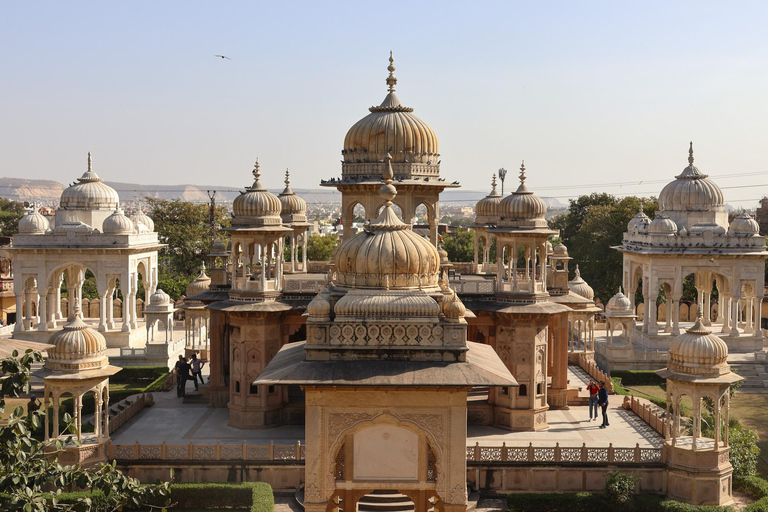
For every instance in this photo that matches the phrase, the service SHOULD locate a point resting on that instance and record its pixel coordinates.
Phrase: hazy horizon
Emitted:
(589, 94)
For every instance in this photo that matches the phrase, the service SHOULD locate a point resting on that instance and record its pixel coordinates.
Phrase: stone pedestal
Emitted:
(700, 477)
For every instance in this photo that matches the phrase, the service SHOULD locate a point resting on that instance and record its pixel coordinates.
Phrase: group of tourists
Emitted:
(187, 370)
(598, 397)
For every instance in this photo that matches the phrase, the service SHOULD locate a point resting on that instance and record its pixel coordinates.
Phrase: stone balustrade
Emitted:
(559, 454)
(119, 419)
(207, 452)
(590, 366)
(650, 413)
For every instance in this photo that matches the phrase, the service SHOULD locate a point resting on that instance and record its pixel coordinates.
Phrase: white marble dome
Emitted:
(662, 225)
(698, 352)
(744, 225)
(257, 201)
(692, 191)
(391, 128)
(159, 298)
(522, 204)
(142, 218)
(118, 224)
(91, 193)
(619, 304)
(640, 222)
(580, 287)
(560, 250)
(76, 347)
(34, 223)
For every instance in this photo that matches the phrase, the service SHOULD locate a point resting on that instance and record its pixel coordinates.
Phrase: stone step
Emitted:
(194, 397)
(385, 501)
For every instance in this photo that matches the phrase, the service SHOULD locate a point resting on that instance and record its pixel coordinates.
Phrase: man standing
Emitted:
(593, 389)
(197, 368)
(602, 401)
(177, 370)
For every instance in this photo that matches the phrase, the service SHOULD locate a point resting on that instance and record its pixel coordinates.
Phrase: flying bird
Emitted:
(223, 57)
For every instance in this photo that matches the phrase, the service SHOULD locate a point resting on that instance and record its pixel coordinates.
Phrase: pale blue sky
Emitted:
(585, 92)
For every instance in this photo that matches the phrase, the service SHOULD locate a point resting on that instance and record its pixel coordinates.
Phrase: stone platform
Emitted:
(116, 338)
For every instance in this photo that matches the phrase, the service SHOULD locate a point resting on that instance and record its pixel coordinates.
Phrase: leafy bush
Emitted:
(758, 506)
(534, 502)
(253, 496)
(744, 451)
(753, 485)
(619, 487)
(676, 506)
(638, 377)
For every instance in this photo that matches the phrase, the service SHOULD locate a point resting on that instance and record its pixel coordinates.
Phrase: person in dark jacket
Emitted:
(602, 401)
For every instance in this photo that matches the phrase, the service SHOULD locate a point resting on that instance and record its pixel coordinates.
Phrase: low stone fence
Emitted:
(594, 371)
(119, 419)
(558, 454)
(207, 452)
(650, 413)
(7, 329)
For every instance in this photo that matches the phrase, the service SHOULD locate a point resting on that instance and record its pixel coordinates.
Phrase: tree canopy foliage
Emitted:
(28, 472)
(593, 225)
(10, 213)
(185, 228)
(321, 247)
(460, 245)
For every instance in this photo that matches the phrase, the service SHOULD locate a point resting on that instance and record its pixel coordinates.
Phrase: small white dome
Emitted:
(662, 225)
(561, 250)
(523, 205)
(118, 224)
(34, 223)
(90, 194)
(698, 352)
(487, 209)
(640, 222)
(744, 225)
(619, 305)
(293, 208)
(691, 191)
(159, 298)
(142, 218)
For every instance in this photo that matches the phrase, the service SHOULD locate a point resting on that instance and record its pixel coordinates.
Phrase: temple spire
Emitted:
(391, 80)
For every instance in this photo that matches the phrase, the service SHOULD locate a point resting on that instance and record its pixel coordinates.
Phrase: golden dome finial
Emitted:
(522, 173)
(90, 162)
(391, 80)
(690, 155)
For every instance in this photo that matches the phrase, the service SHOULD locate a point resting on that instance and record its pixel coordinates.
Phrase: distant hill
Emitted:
(47, 190)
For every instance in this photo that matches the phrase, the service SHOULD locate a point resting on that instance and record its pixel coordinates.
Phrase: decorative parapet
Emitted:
(590, 366)
(119, 419)
(207, 452)
(650, 413)
(563, 455)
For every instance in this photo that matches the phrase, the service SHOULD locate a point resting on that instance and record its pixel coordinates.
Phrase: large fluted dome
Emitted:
(523, 205)
(293, 208)
(698, 352)
(391, 128)
(488, 208)
(118, 224)
(257, 204)
(691, 191)
(34, 223)
(77, 347)
(91, 193)
(387, 253)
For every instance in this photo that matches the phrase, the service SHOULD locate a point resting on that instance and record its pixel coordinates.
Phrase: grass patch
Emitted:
(594, 502)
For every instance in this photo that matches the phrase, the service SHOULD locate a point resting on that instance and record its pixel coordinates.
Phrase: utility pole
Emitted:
(212, 217)
(502, 175)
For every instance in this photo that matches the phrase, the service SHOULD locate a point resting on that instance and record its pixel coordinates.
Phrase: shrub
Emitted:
(753, 485)
(676, 506)
(534, 502)
(744, 452)
(253, 496)
(760, 505)
(619, 487)
(638, 377)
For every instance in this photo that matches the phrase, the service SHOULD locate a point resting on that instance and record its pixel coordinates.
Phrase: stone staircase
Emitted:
(755, 374)
(385, 501)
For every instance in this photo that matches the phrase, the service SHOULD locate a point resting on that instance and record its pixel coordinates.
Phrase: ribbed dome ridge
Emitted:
(76, 347)
(698, 352)
(91, 193)
(257, 203)
(691, 191)
(580, 287)
(390, 303)
(34, 223)
(488, 208)
(118, 224)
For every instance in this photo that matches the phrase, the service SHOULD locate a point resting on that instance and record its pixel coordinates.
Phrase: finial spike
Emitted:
(90, 162)
(493, 182)
(391, 80)
(577, 273)
(690, 154)
(641, 205)
(287, 177)
(522, 172)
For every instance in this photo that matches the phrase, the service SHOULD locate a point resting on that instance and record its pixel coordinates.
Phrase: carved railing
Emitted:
(563, 455)
(594, 371)
(119, 419)
(208, 452)
(294, 285)
(474, 287)
(650, 413)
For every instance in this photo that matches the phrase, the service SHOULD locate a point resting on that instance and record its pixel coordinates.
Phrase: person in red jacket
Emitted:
(593, 388)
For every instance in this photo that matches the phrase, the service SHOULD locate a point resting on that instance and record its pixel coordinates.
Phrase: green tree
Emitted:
(185, 228)
(321, 247)
(460, 245)
(593, 225)
(28, 472)
(10, 213)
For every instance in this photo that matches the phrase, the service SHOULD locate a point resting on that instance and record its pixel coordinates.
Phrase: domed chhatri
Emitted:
(257, 205)
(391, 128)
(159, 298)
(619, 304)
(142, 218)
(118, 224)
(523, 205)
(691, 191)
(200, 284)
(580, 287)
(90, 194)
(698, 352)
(76, 347)
(744, 225)
(639, 222)
(34, 223)
(293, 207)
(387, 253)
(488, 208)
(662, 225)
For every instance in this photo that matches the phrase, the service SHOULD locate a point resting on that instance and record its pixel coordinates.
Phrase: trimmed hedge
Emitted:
(252, 496)
(594, 502)
(138, 373)
(757, 488)
(638, 377)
